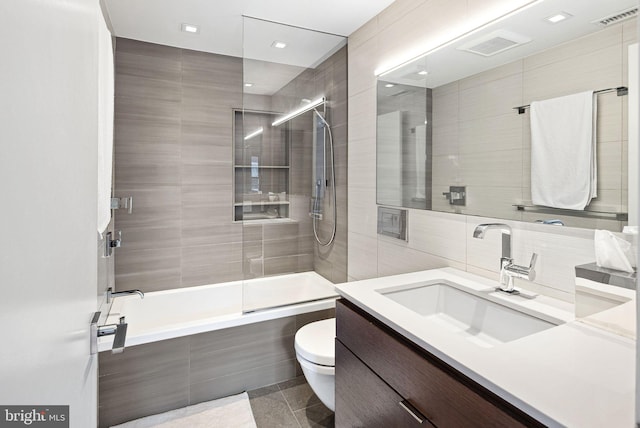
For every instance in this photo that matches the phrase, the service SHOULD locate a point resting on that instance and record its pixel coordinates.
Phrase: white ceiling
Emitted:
(450, 63)
(224, 31)
(220, 21)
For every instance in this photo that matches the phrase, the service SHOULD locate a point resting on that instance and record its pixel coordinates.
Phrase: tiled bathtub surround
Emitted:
(173, 126)
(173, 154)
(442, 239)
(170, 374)
(328, 80)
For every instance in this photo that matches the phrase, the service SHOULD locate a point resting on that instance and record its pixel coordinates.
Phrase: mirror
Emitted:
(450, 137)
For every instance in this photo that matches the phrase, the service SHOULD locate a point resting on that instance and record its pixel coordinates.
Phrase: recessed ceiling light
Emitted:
(190, 28)
(278, 45)
(389, 85)
(248, 85)
(423, 72)
(554, 19)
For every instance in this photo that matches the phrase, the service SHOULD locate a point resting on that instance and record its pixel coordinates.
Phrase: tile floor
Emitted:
(289, 404)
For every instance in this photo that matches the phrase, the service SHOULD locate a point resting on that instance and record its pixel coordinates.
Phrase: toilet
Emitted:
(316, 353)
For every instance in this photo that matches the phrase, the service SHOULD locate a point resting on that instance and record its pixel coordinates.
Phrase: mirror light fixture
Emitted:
(278, 45)
(190, 28)
(254, 134)
(295, 113)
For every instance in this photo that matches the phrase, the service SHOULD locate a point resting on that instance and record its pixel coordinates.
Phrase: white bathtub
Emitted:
(181, 312)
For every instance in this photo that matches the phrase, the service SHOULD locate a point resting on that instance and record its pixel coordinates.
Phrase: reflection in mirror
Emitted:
(403, 145)
(478, 148)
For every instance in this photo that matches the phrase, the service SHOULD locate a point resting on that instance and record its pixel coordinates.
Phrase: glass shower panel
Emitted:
(280, 161)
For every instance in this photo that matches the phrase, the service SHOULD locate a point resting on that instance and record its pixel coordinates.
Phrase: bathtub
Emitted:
(196, 344)
(181, 312)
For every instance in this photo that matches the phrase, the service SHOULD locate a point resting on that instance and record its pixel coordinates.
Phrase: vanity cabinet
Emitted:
(372, 402)
(383, 379)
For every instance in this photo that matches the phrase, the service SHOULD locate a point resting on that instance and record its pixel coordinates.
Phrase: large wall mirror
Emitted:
(454, 129)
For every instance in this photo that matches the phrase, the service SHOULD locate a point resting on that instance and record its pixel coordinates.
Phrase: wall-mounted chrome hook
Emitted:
(110, 243)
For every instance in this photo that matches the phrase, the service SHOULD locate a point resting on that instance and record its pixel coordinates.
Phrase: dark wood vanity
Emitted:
(384, 380)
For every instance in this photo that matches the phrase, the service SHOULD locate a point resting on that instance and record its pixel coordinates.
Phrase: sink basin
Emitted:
(480, 321)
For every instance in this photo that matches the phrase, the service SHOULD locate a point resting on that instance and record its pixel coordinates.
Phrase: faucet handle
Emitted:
(532, 263)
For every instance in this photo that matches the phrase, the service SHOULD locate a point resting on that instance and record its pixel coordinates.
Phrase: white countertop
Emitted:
(571, 375)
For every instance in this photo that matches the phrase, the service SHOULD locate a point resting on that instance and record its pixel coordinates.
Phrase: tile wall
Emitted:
(160, 376)
(173, 155)
(441, 239)
(328, 80)
(173, 127)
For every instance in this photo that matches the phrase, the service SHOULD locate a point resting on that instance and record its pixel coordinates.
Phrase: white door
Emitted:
(48, 161)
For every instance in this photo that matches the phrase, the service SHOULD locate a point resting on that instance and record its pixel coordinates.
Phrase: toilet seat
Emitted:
(315, 342)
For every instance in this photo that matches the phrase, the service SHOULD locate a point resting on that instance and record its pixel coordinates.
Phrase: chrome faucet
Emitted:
(508, 269)
(111, 294)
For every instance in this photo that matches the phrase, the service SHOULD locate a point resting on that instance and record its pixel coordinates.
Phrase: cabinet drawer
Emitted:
(364, 400)
(444, 395)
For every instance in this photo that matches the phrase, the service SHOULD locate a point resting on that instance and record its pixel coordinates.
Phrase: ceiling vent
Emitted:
(617, 17)
(494, 43)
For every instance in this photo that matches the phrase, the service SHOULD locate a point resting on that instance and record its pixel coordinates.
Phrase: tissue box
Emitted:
(612, 252)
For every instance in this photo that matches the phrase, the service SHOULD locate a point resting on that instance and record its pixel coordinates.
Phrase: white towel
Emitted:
(105, 124)
(563, 151)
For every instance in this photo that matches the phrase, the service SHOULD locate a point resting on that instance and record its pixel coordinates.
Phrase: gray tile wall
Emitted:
(173, 126)
(173, 154)
(161, 376)
(329, 79)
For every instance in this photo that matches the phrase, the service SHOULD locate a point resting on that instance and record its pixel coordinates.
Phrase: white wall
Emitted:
(48, 161)
(435, 239)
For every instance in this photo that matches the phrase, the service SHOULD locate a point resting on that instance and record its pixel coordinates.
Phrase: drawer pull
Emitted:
(412, 411)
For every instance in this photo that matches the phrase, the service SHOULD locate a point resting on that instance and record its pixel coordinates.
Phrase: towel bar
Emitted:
(618, 216)
(620, 91)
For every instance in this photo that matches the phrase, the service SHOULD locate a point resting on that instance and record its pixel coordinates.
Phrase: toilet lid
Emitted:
(315, 342)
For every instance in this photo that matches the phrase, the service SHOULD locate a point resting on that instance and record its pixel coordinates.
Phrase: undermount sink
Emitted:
(480, 321)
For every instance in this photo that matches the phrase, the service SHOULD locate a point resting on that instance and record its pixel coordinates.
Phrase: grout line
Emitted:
(289, 406)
